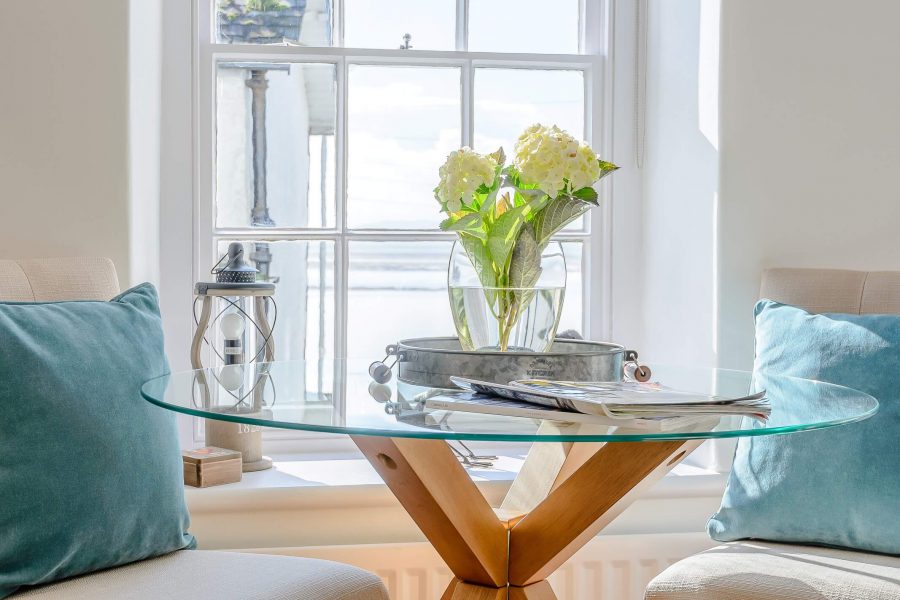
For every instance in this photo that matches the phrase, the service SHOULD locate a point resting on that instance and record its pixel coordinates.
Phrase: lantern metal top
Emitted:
(236, 269)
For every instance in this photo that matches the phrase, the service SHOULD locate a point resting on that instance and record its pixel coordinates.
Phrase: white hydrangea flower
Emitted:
(464, 172)
(549, 158)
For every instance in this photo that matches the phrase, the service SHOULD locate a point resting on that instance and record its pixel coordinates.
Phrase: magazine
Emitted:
(619, 400)
(473, 402)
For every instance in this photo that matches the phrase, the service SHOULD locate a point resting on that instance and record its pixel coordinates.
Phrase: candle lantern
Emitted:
(233, 323)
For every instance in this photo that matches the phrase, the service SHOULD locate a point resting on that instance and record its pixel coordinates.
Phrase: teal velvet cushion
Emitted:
(90, 473)
(837, 486)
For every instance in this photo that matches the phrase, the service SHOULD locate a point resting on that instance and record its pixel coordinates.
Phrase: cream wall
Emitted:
(810, 147)
(679, 179)
(70, 182)
(772, 139)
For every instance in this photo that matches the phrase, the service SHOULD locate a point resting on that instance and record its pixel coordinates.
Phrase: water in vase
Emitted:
(505, 319)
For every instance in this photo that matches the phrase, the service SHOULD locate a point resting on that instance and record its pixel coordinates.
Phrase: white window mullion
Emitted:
(337, 23)
(341, 248)
(462, 25)
(467, 75)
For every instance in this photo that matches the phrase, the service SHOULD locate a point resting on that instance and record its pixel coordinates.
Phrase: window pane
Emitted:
(303, 273)
(572, 314)
(502, 111)
(305, 22)
(509, 100)
(523, 26)
(397, 290)
(430, 24)
(403, 122)
(294, 154)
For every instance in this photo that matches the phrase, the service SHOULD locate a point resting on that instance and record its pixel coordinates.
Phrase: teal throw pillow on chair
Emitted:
(838, 486)
(90, 473)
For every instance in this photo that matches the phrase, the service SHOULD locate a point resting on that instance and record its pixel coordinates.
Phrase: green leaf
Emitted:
(606, 168)
(499, 156)
(510, 176)
(536, 199)
(488, 206)
(472, 223)
(588, 194)
(556, 215)
(480, 257)
(502, 236)
(525, 264)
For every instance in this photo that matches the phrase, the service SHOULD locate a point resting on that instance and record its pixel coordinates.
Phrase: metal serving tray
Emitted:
(431, 361)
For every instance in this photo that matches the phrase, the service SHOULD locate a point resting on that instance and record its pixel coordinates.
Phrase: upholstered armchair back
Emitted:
(836, 291)
(56, 279)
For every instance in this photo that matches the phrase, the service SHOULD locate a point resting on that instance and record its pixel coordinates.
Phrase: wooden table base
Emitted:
(564, 495)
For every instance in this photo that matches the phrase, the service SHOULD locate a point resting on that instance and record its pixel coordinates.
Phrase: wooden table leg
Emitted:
(460, 590)
(496, 559)
(587, 500)
(537, 591)
(442, 499)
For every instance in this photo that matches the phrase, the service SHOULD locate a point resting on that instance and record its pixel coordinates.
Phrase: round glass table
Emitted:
(577, 478)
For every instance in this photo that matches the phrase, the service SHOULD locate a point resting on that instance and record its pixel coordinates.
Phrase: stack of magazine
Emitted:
(648, 406)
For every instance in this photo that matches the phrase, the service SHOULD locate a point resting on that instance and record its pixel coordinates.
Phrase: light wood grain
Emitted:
(460, 590)
(438, 494)
(537, 591)
(585, 502)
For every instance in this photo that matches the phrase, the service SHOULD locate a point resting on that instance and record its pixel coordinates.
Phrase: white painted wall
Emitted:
(680, 168)
(804, 174)
(63, 130)
(79, 137)
(810, 146)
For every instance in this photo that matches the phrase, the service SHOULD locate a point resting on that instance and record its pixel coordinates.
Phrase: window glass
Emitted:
(305, 22)
(509, 100)
(430, 24)
(573, 305)
(402, 124)
(290, 108)
(534, 26)
(397, 290)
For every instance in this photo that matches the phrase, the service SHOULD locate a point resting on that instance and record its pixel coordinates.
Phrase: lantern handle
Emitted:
(216, 270)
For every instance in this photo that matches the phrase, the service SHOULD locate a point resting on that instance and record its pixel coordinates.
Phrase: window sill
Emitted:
(325, 500)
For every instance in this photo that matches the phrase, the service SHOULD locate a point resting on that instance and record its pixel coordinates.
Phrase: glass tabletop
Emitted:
(338, 396)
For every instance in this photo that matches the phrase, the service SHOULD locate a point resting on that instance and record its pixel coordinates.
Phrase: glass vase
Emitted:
(507, 319)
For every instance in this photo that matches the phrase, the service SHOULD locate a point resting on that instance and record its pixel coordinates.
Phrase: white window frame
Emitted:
(593, 61)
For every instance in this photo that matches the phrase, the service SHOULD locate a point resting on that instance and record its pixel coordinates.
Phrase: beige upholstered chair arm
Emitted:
(56, 279)
(832, 290)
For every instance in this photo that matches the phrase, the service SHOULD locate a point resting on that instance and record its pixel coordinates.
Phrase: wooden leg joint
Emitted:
(509, 557)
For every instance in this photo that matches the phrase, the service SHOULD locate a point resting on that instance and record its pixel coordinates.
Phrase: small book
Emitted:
(204, 467)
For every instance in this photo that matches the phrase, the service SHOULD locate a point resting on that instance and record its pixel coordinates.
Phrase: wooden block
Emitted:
(204, 467)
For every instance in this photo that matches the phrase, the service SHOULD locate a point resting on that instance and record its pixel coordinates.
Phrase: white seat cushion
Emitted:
(763, 571)
(207, 575)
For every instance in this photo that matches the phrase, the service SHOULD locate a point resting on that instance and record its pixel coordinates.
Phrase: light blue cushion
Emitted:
(838, 486)
(90, 473)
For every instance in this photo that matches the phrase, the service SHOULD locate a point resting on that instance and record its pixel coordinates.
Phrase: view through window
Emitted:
(322, 125)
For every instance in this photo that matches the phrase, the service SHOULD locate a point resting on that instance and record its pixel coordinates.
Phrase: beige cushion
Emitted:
(55, 279)
(766, 571)
(832, 290)
(206, 575)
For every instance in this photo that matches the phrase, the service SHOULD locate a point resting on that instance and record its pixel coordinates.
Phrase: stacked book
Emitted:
(647, 406)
